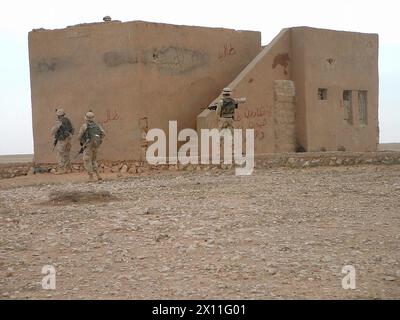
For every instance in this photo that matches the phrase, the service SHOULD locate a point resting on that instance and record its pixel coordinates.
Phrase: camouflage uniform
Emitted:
(226, 110)
(63, 144)
(91, 147)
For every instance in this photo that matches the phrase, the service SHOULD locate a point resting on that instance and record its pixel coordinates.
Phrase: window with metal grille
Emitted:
(362, 106)
(348, 106)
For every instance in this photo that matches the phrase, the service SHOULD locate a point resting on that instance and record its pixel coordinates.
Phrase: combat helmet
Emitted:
(89, 115)
(226, 91)
(60, 112)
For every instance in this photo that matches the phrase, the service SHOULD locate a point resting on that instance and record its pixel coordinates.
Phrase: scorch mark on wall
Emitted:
(171, 60)
(176, 60)
(116, 58)
(281, 59)
(52, 64)
(227, 51)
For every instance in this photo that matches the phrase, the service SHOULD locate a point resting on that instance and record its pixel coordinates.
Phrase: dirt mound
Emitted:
(68, 197)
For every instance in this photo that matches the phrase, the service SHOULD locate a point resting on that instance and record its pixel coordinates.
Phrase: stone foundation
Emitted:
(290, 160)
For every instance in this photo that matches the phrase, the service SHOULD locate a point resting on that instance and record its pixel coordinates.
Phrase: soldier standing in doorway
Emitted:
(91, 136)
(62, 132)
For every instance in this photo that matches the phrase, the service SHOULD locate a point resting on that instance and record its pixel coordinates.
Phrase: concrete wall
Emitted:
(132, 75)
(256, 83)
(336, 61)
(312, 59)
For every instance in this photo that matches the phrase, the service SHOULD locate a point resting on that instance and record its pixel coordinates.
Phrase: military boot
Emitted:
(99, 178)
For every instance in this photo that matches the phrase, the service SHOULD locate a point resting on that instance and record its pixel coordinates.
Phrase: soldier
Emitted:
(225, 108)
(91, 136)
(62, 133)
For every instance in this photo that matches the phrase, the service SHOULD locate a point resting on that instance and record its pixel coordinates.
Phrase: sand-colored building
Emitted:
(309, 89)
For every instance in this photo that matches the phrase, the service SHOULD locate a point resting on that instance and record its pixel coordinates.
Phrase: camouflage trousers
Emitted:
(63, 154)
(90, 159)
(226, 123)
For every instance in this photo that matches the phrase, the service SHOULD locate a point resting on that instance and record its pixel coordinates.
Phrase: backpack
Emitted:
(93, 135)
(65, 130)
(228, 107)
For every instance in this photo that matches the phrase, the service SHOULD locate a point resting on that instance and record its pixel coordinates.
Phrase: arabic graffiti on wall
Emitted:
(114, 116)
(254, 119)
(227, 51)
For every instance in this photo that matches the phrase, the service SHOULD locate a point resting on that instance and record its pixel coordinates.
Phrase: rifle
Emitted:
(83, 147)
(210, 107)
(54, 144)
(213, 106)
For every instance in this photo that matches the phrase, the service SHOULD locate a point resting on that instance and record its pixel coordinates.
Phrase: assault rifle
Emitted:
(83, 147)
(54, 144)
(213, 105)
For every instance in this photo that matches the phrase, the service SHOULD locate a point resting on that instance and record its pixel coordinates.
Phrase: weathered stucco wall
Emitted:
(256, 83)
(336, 61)
(312, 59)
(131, 75)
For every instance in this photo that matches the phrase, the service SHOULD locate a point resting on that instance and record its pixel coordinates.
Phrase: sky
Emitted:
(18, 17)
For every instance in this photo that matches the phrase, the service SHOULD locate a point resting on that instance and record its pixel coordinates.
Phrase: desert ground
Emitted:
(277, 234)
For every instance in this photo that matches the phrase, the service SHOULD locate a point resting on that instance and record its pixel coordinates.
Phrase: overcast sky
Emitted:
(18, 17)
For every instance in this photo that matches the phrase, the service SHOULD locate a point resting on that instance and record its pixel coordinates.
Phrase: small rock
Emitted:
(132, 170)
(306, 164)
(165, 269)
(190, 249)
(139, 170)
(124, 169)
(271, 271)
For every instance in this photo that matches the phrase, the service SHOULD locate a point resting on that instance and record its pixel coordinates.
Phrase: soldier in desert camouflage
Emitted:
(91, 136)
(62, 132)
(225, 109)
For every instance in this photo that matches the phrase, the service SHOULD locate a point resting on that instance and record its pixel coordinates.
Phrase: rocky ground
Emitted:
(279, 233)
